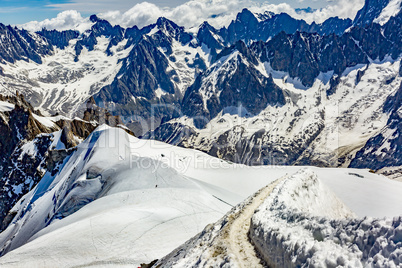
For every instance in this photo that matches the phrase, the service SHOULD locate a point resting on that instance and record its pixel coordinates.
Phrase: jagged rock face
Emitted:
(261, 148)
(209, 36)
(18, 45)
(332, 25)
(57, 38)
(238, 83)
(175, 134)
(147, 86)
(21, 173)
(304, 56)
(133, 90)
(19, 170)
(171, 29)
(27, 147)
(161, 72)
(100, 28)
(134, 35)
(384, 149)
(142, 81)
(393, 32)
(372, 42)
(371, 10)
(248, 28)
(244, 27)
(99, 115)
(17, 125)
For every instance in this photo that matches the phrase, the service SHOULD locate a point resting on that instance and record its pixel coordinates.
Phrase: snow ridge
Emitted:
(225, 243)
(303, 224)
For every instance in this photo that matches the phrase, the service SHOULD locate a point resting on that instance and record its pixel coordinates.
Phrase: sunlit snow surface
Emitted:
(392, 9)
(61, 84)
(348, 117)
(118, 200)
(6, 106)
(297, 221)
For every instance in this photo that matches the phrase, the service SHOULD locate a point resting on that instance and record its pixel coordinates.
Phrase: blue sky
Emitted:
(22, 11)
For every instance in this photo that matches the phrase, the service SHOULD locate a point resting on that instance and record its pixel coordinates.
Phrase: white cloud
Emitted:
(141, 15)
(69, 19)
(340, 8)
(192, 13)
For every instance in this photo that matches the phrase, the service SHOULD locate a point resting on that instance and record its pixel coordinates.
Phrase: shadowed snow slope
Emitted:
(119, 200)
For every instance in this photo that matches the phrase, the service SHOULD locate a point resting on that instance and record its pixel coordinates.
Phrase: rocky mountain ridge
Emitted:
(31, 144)
(298, 64)
(283, 76)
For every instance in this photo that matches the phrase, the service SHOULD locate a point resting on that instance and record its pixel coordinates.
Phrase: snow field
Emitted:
(225, 243)
(101, 210)
(121, 201)
(60, 84)
(6, 106)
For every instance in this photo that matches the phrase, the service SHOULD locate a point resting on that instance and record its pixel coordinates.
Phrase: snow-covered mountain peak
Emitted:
(269, 91)
(377, 11)
(392, 9)
(169, 28)
(247, 17)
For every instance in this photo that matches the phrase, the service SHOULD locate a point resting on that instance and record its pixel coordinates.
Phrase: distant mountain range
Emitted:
(268, 89)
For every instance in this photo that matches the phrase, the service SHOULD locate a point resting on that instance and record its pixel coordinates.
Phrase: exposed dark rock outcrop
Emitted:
(57, 38)
(371, 10)
(239, 84)
(100, 28)
(28, 148)
(19, 44)
(261, 27)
